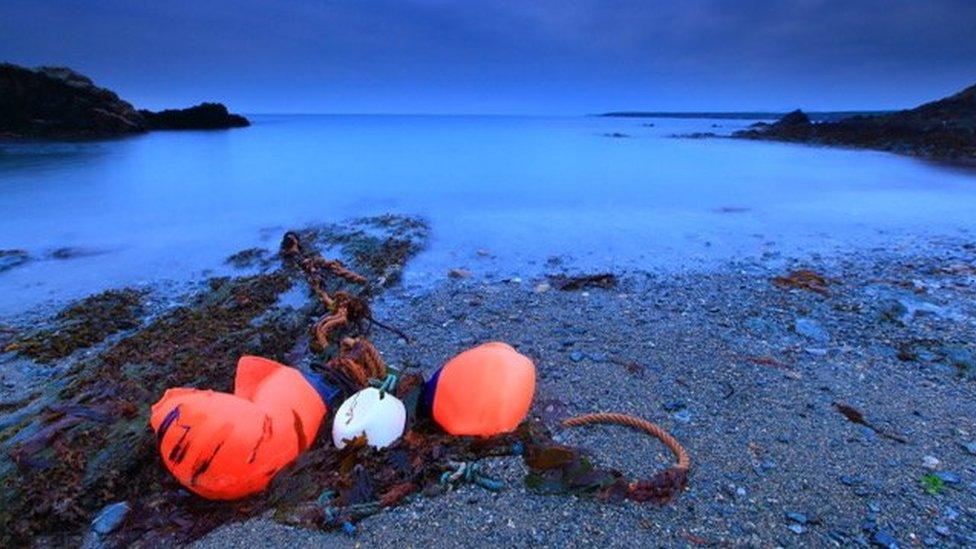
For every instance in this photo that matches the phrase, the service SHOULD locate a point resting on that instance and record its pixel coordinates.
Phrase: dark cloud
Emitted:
(549, 56)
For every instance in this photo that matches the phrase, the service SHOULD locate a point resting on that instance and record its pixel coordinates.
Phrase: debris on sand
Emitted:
(803, 279)
(88, 445)
(855, 416)
(580, 282)
(85, 442)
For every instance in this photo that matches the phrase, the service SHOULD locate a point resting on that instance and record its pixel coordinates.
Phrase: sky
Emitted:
(548, 57)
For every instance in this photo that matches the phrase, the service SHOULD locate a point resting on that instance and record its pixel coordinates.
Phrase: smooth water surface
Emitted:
(171, 205)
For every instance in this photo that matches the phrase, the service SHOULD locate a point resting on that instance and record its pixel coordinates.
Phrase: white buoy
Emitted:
(380, 418)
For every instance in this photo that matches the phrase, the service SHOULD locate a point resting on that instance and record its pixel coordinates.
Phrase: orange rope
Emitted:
(684, 460)
(359, 360)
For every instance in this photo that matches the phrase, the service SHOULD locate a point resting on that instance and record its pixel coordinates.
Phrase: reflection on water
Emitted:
(169, 205)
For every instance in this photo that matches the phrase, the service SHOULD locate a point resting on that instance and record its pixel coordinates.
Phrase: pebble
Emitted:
(796, 528)
(883, 538)
(110, 517)
(674, 405)
(799, 518)
(930, 462)
(811, 329)
(948, 477)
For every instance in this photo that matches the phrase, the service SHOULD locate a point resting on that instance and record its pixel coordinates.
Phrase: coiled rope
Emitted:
(665, 484)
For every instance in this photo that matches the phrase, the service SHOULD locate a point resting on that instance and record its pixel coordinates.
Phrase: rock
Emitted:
(942, 128)
(796, 528)
(70, 252)
(674, 405)
(811, 329)
(59, 103)
(576, 356)
(56, 102)
(904, 308)
(542, 287)
(110, 517)
(798, 518)
(205, 116)
(578, 282)
(948, 477)
(882, 538)
(12, 258)
(970, 447)
(960, 357)
(684, 416)
(793, 119)
(930, 462)
(459, 273)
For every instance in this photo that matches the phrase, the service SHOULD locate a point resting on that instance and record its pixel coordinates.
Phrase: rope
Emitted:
(359, 360)
(342, 308)
(684, 460)
(470, 472)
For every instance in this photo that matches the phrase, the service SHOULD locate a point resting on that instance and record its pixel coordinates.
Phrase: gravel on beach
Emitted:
(844, 419)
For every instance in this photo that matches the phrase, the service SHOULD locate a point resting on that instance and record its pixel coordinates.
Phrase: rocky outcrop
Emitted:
(59, 103)
(942, 129)
(56, 102)
(205, 116)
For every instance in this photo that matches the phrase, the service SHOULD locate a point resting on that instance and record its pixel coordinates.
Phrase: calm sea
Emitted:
(170, 206)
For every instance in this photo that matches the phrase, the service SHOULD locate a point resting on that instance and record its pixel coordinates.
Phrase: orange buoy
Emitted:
(227, 446)
(483, 391)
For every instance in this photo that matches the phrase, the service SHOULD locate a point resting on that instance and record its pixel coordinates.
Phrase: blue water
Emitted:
(169, 206)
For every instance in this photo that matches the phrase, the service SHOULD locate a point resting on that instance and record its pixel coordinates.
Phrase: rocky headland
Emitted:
(941, 129)
(205, 116)
(59, 103)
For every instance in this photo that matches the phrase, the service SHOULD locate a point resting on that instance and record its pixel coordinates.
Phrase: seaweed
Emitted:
(250, 257)
(86, 441)
(804, 279)
(581, 282)
(83, 324)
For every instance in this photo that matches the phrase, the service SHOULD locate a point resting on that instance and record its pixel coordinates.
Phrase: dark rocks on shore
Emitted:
(944, 129)
(59, 103)
(56, 102)
(12, 258)
(205, 116)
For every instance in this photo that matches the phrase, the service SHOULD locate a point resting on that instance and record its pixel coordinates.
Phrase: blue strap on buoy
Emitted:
(389, 383)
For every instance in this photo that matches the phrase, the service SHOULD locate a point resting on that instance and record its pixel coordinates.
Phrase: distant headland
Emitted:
(941, 129)
(743, 115)
(59, 103)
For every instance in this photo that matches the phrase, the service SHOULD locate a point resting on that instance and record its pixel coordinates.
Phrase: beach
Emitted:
(748, 376)
(754, 371)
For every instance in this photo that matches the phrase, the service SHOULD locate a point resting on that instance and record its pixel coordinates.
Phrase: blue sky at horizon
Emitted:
(505, 57)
